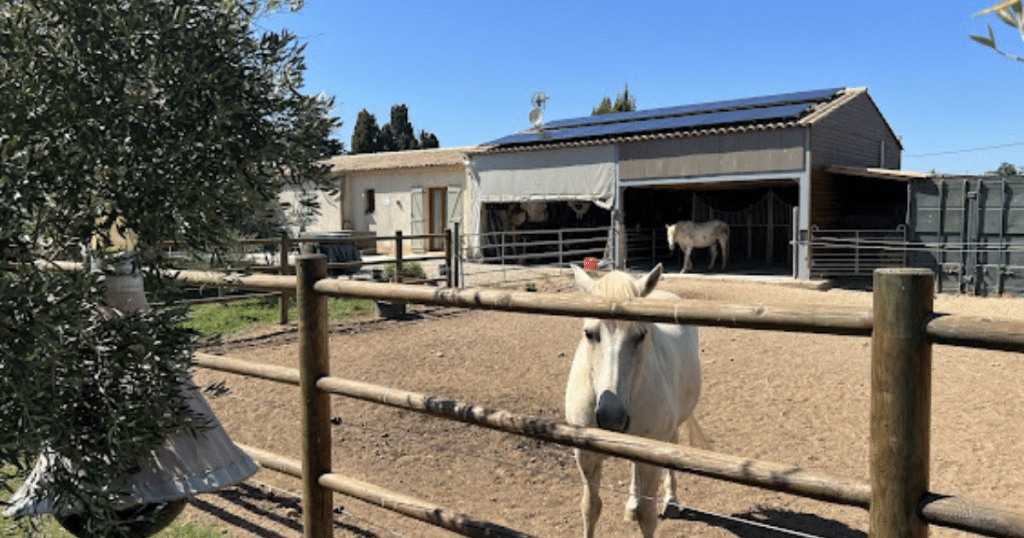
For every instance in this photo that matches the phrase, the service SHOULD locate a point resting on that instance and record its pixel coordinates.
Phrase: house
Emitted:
(760, 163)
(415, 192)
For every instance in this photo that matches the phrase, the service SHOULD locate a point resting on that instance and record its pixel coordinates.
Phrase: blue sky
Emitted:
(467, 70)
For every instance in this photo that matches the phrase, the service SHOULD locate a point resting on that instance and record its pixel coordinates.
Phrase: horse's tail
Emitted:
(696, 435)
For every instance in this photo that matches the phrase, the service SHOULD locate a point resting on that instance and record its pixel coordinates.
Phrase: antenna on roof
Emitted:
(539, 100)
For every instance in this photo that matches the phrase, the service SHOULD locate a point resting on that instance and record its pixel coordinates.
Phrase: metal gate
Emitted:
(970, 231)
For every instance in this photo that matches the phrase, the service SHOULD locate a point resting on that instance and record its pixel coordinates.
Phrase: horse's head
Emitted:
(616, 350)
(671, 229)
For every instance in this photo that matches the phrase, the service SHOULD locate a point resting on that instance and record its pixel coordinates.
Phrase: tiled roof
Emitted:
(423, 158)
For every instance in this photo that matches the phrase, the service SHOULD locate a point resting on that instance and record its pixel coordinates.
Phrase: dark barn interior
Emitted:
(759, 217)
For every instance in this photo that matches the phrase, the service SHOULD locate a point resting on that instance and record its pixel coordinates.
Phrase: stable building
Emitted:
(761, 164)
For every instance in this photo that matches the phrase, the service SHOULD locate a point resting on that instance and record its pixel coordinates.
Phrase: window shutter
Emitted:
(454, 206)
(416, 220)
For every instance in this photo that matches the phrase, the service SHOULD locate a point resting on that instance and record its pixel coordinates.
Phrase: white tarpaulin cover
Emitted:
(584, 173)
(571, 174)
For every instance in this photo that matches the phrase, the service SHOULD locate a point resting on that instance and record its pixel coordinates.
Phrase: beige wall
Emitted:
(733, 153)
(392, 193)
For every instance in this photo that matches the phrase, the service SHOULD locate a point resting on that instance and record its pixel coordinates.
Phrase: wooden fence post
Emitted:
(283, 249)
(901, 363)
(398, 255)
(317, 519)
(449, 260)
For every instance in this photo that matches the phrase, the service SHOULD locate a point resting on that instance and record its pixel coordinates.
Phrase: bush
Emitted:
(410, 271)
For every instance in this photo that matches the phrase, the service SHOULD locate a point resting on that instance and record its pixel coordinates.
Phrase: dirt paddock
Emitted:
(798, 399)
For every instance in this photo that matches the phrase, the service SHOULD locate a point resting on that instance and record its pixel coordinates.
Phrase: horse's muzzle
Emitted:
(611, 414)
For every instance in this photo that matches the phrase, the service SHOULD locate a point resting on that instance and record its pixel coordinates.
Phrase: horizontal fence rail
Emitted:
(898, 508)
(955, 330)
(945, 510)
(762, 474)
(396, 502)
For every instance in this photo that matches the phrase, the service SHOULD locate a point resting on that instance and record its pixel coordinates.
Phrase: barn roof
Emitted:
(769, 112)
(392, 160)
(878, 173)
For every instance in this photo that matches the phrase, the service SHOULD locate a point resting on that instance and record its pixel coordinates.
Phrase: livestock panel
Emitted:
(970, 231)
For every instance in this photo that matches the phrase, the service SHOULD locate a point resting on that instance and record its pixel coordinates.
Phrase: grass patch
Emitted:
(47, 526)
(232, 317)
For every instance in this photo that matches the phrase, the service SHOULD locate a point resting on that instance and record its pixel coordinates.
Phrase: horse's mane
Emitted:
(616, 285)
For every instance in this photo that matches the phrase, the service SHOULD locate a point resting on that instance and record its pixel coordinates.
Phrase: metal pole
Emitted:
(398, 255)
(901, 364)
(284, 247)
(317, 520)
(561, 247)
(457, 279)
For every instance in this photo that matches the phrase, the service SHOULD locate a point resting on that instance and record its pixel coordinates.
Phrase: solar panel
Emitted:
(764, 100)
(655, 124)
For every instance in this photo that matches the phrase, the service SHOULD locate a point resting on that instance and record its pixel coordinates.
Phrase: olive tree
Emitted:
(1011, 12)
(151, 120)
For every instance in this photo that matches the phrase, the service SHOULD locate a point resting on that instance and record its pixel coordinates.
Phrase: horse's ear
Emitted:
(646, 284)
(583, 280)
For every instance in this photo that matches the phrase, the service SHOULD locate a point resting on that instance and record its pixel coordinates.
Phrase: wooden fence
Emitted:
(902, 327)
(284, 267)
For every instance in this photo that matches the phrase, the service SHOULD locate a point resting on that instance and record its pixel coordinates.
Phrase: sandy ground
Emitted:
(798, 399)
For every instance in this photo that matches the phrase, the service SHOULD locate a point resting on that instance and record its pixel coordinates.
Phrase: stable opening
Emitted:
(760, 219)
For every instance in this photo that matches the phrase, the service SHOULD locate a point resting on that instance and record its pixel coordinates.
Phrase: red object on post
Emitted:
(590, 263)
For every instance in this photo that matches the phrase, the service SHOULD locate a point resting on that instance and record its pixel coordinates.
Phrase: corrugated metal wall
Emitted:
(970, 231)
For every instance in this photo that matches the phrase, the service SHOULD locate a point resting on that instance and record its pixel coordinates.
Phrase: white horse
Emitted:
(690, 235)
(636, 378)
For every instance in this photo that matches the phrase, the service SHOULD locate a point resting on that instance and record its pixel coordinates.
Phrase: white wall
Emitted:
(329, 219)
(392, 193)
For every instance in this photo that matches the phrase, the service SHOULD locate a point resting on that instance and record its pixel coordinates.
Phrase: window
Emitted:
(368, 200)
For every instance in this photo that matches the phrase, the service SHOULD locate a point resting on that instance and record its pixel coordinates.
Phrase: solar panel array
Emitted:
(768, 107)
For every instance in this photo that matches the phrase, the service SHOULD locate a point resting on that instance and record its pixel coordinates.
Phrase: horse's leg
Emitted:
(686, 258)
(642, 506)
(725, 251)
(714, 255)
(669, 483)
(590, 468)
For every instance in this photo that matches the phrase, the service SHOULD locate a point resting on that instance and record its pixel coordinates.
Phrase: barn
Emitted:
(774, 167)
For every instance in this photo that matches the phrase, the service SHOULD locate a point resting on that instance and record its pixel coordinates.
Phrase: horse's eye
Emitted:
(592, 335)
(639, 338)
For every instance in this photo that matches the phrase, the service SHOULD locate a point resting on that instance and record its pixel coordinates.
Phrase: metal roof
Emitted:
(769, 111)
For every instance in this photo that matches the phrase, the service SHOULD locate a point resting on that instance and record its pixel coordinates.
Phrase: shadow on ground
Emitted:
(245, 506)
(769, 523)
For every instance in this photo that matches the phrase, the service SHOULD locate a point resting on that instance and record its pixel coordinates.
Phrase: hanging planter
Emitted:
(199, 460)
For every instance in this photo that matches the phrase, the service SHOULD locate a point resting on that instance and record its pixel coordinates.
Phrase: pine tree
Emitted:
(366, 134)
(624, 102)
(428, 140)
(405, 136)
(398, 135)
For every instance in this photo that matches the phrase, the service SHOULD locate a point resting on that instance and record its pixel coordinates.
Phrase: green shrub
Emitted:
(410, 271)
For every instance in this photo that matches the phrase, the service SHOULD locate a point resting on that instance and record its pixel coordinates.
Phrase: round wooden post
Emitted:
(284, 247)
(317, 520)
(901, 363)
(449, 259)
